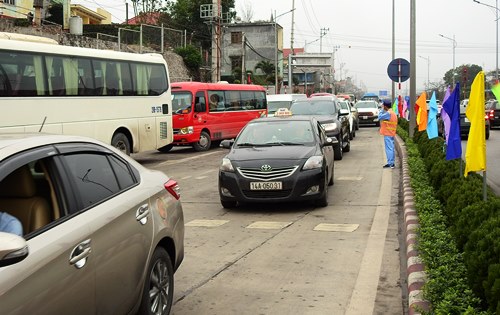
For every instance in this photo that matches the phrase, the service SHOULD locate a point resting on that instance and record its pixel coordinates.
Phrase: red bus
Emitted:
(207, 112)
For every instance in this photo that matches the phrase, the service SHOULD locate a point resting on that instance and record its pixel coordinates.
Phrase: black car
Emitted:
(327, 110)
(465, 124)
(277, 159)
(493, 113)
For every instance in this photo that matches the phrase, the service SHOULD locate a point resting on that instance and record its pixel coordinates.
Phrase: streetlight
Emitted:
(276, 50)
(454, 45)
(428, 64)
(496, 8)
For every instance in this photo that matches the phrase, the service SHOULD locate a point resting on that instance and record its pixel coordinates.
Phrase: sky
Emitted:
(360, 33)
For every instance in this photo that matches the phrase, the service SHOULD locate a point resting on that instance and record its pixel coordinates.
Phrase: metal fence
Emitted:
(150, 38)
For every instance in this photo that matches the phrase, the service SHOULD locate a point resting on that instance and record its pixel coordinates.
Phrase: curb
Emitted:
(415, 269)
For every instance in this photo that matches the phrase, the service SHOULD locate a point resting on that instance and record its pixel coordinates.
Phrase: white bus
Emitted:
(122, 99)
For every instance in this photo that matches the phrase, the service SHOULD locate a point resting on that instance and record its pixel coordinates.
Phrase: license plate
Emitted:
(364, 117)
(265, 186)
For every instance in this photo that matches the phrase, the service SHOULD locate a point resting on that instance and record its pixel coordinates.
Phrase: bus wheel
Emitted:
(120, 141)
(166, 148)
(204, 143)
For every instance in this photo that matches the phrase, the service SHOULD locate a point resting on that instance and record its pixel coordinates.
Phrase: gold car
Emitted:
(101, 234)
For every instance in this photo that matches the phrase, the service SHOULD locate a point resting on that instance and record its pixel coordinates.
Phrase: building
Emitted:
(244, 45)
(311, 72)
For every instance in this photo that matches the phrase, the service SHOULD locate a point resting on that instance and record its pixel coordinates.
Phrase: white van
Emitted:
(276, 101)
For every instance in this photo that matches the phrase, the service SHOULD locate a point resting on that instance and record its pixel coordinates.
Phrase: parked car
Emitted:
(493, 112)
(277, 159)
(345, 106)
(102, 234)
(465, 123)
(328, 111)
(368, 112)
(277, 101)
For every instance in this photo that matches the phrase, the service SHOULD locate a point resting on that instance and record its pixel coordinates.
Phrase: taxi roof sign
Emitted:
(283, 112)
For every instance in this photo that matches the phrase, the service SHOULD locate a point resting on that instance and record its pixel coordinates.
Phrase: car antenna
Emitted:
(43, 123)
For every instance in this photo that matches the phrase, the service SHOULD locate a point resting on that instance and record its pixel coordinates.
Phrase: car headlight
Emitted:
(313, 162)
(226, 165)
(187, 130)
(330, 126)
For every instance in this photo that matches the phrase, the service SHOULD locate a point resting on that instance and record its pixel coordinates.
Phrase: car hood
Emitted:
(266, 153)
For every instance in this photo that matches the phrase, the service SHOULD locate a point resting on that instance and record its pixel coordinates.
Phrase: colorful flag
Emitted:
(400, 107)
(496, 90)
(452, 108)
(406, 111)
(475, 153)
(444, 117)
(422, 111)
(432, 127)
(395, 106)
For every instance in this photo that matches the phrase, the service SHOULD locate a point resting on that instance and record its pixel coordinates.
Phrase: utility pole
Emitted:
(216, 14)
(243, 70)
(393, 84)
(322, 32)
(290, 56)
(413, 55)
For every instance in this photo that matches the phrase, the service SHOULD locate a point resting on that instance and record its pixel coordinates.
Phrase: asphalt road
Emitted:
(492, 159)
(291, 258)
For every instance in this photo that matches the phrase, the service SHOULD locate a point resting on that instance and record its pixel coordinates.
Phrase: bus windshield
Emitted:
(181, 102)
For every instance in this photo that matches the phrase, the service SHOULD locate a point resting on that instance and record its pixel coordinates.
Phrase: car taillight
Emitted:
(173, 188)
(492, 114)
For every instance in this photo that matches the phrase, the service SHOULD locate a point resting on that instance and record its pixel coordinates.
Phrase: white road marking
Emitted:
(201, 177)
(206, 223)
(186, 177)
(197, 156)
(268, 225)
(349, 178)
(365, 290)
(330, 227)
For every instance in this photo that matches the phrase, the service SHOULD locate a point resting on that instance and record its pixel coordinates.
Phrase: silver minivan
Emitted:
(101, 233)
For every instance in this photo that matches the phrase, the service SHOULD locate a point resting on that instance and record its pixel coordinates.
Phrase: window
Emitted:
(216, 101)
(233, 100)
(235, 63)
(11, 2)
(236, 37)
(93, 176)
(122, 172)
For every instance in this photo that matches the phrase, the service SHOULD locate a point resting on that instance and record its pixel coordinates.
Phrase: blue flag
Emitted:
(452, 108)
(432, 127)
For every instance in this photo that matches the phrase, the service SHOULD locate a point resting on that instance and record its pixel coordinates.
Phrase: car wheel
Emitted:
(166, 148)
(121, 142)
(204, 143)
(158, 289)
(330, 182)
(228, 204)
(347, 147)
(337, 150)
(357, 125)
(354, 133)
(323, 200)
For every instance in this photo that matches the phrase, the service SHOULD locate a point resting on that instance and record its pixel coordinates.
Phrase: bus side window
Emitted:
(261, 100)
(199, 101)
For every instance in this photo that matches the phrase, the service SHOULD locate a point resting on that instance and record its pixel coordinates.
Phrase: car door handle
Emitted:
(80, 253)
(142, 213)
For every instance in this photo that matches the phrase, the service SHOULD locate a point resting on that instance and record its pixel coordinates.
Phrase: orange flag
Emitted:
(422, 112)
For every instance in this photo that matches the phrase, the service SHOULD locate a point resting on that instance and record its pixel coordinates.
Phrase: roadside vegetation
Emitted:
(459, 235)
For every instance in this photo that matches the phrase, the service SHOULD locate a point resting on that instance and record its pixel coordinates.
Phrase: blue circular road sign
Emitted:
(399, 70)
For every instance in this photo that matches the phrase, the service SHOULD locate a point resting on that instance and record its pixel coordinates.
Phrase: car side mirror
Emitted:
(227, 144)
(13, 249)
(331, 141)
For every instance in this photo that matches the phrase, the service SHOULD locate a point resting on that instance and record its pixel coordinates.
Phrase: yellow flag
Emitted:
(422, 112)
(475, 154)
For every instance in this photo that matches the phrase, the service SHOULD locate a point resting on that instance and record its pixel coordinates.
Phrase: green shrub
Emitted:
(482, 257)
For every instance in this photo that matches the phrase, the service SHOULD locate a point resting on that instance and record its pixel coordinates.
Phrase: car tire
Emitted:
(357, 125)
(487, 134)
(323, 200)
(347, 147)
(330, 182)
(228, 204)
(121, 142)
(354, 133)
(338, 150)
(166, 148)
(204, 143)
(158, 291)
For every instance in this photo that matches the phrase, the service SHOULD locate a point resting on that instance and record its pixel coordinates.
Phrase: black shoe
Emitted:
(392, 165)
(387, 166)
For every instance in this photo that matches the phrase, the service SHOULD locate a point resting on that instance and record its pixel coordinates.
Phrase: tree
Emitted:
(146, 6)
(185, 14)
(55, 13)
(465, 75)
(192, 59)
(267, 69)
(247, 12)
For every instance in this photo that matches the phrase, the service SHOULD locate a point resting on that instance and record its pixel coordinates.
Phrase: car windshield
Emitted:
(273, 106)
(344, 105)
(313, 108)
(181, 102)
(280, 132)
(366, 105)
(491, 105)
